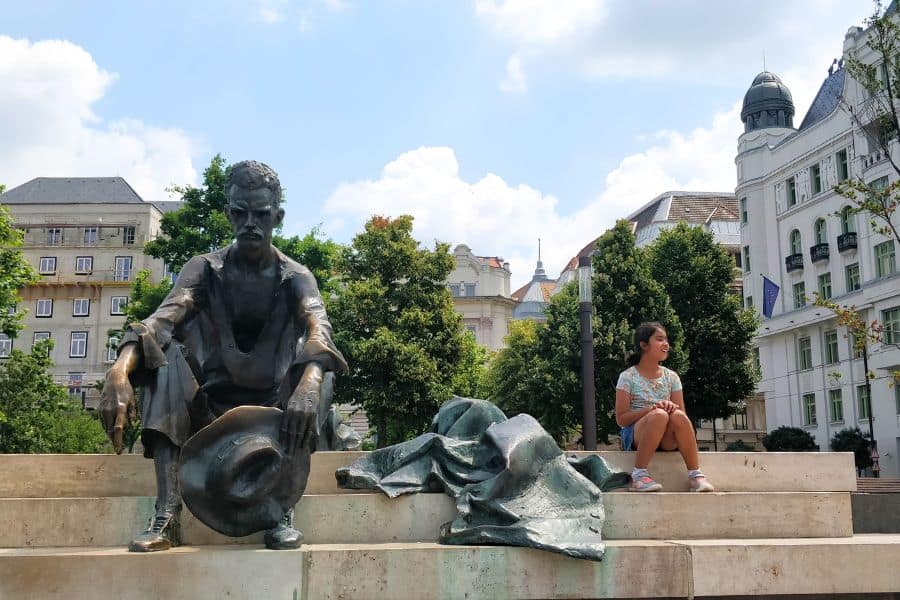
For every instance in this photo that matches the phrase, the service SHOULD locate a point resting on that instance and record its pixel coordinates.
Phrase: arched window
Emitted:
(848, 220)
(821, 231)
(796, 243)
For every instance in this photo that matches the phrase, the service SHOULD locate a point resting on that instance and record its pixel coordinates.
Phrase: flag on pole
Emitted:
(770, 294)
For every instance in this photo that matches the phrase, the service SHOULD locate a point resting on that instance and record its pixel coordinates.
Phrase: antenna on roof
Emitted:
(764, 60)
(539, 249)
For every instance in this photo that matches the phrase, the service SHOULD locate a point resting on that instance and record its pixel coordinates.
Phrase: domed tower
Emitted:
(767, 103)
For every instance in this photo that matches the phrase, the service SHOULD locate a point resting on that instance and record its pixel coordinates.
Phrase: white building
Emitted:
(793, 232)
(480, 289)
(85, 236)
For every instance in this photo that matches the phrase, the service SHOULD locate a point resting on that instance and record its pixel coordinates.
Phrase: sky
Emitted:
(492, 122)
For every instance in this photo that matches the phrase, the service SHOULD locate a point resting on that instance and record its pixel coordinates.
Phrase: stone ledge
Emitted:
(342, 518)
(92, 475)
(861, 565)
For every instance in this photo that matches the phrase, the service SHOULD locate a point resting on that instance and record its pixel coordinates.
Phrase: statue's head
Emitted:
(254, 204)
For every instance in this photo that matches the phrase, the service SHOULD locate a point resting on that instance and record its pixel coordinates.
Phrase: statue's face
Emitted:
(253, 215)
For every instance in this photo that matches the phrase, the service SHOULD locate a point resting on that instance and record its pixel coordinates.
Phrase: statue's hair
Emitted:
(253, 175)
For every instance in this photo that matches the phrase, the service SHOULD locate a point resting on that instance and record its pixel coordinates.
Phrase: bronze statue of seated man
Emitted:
(244, 325)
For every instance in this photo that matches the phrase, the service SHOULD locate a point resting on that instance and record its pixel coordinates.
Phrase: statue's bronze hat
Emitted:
(235, 475)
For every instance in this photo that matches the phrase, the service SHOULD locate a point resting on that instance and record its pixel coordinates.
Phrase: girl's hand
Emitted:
(667, 405)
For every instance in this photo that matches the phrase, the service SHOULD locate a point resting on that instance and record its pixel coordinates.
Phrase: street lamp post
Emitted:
(876, 469)
(588, 405)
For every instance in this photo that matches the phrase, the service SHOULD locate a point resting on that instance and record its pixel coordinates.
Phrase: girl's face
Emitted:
(658, 347)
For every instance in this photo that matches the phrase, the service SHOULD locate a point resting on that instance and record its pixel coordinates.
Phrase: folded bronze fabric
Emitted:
(512, 484)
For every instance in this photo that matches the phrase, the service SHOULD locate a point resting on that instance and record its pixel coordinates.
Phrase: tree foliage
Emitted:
(625, 295)
(36, 415)
(539, 370)
(789, 439)
(15, 273)
(317, 253)
(394, 321)
(697, 273)
(853, 440)
(200, 225)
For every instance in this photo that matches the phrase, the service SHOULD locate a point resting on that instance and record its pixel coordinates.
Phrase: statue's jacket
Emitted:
(192, 370)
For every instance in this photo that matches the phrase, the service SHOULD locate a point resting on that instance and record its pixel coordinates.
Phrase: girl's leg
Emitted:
(648, 433)
(679, 434)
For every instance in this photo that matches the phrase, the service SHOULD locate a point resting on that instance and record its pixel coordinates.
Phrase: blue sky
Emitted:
(494, 122)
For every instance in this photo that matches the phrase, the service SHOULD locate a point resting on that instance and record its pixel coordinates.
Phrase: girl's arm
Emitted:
(624, 415)
(678, 398)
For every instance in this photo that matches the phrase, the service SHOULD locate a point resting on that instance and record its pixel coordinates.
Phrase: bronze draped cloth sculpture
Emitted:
(512, 483)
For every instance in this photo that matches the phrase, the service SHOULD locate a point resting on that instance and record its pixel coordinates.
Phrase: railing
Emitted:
(818, 252)
(793, 262)
(95, 276)
(847, 241)
(874, 159)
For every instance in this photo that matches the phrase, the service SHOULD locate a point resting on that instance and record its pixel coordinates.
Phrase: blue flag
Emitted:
(770, 294)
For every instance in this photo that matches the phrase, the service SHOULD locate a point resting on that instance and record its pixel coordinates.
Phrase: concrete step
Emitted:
(92, 475)
(374, 518)
(854, 566)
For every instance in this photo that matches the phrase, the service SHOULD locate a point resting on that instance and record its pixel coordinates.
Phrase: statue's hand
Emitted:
(117, 407)
(300, 424)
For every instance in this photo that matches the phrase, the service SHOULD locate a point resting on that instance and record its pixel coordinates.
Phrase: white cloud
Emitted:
(538, 22)
(514, 82)
(495, 217)
(302, 13)
(271, 11)
(50, 128)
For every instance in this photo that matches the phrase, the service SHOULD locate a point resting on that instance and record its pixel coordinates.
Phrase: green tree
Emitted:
(36, 415)
(625, 295)
(539, 370)
(697, 273)
(852, 440)
(394, 321)
(317, 253)
(15, 274)
(789, 439)
(200, 225)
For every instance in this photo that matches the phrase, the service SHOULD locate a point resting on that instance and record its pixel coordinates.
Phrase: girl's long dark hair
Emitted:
(643, 333)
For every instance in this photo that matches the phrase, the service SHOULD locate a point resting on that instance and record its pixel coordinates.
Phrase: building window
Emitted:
(897, 396)
(821, 231)
(805, 352)
(890, 319)
(836, 404)
(44, 308)
(128, 235)
(47, 265)
(809, 409)
(799, 295)
(879, 184)
(756, 364)
(746, 259)
(5, 345)
(117, 305)
(748, 302)
(470, 289)
(76, 380)
(54, 236)
(825, 286)
(885, 262)
(848, 220)
(78, 344)
(81, 307)
(858, 349)
(791, 185)
(815, 178)
(852, 275)
(843, 170)
(123, 268)
(90, 236)
(831, 347)
(743, 210)
(40, 336)
(112, 347)
(862, 401)
(472, 329)
(84, 264)
(796, 242)
(454, 290)
(739, 419)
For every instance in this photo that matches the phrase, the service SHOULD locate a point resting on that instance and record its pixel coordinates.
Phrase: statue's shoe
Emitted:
(283, 537)
(162, 534)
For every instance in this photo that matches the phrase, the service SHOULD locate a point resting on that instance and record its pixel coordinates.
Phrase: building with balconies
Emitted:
(85, 236)
(480, 289)
(800, 234)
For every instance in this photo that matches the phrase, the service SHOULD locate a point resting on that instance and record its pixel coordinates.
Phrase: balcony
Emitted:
(818, 252)
(847, 241)
(794, 262)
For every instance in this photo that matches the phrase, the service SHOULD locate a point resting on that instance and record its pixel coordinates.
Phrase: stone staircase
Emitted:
(782, 527)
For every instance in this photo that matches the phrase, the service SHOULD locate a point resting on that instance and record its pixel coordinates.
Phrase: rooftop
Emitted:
(72, 190)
